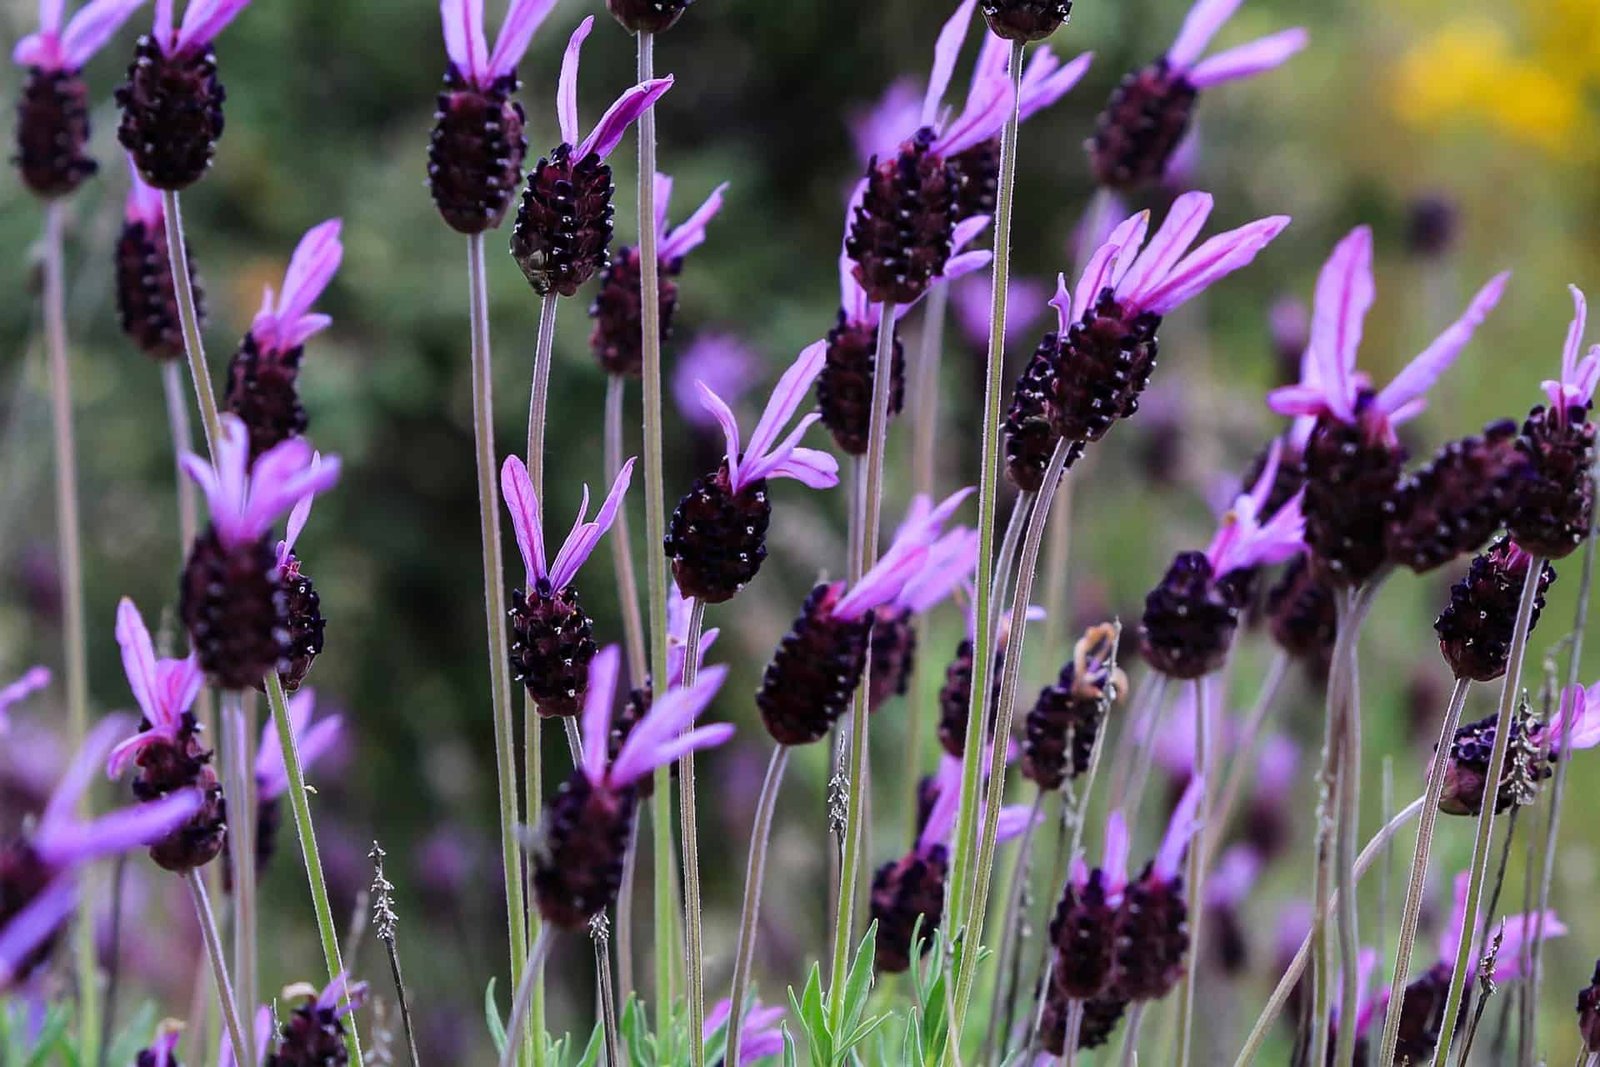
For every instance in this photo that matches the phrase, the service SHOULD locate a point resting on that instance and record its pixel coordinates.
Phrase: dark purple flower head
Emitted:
(1152, 925)
(647, 16)
(1589, 1013)
(1025, 20)
(313, 1035)
(67, 50)
(1475, 627)
(761, 1038)
(1061, 728)
(517, 488)
(32, 680)
(468, 47)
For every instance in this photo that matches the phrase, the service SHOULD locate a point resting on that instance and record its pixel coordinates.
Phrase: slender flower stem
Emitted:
(925, 391)
(69, 550)
(1058, 555)
(189, 318)
(1197, 872)
(1216, 827)
(1497, 765)
(219, 966)
(988, 518)
(1412, 909)
(622, 555)
(866, 547)
(523, 1001)
(182, 440)
(533, 758)
(689, 827)
(630, 870)
(1074, 1029)
(300, 805)
(755, 875)
(539, 393)
(1297, 966)
(1348, 825)
(1130, 1039)
(494, 609)
(1144, 756)
(1010, 927)
(239, 770)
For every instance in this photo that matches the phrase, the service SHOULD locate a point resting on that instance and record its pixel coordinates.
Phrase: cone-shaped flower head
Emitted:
(564, 222)
(172, 99)
(647, 16)
(263, 377)
(1353, 459)
(552, 638)
(1153, 922)
(618, 308)
(1554, 494)
(1534, 746)
(577, 860)
(313, 1034)
(1190, 618)
(147, 302)
(717, 537)
(1149, 112)
(476, 151)
(1092, 371)
(955, 696)
(32, 680)
(53, 113)
(1083, 928)
(817, 665)
(231, 598)
(1064, 723)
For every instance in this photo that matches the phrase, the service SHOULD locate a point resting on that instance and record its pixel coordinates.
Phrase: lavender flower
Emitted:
(1353, 459)
(164, 1052)
(1457, 501)
(552, 639)
(618, 312)
(1555, 494)
(1093, 370)
(313, 1035)
(1475, 627)
(819, 663)
(1083, 928)
(1226, 891)
(762, 1036)
(972, 303)
(302, 606)
(38, 869)
(1025, 20)
(167, 748)
(717, 537)
(1150, 111)
(647, 16)
(955, 696)
(1533, 747)
(264, 374)
(1152, 925)
(1191, 617)
(172, 101)
(312, 741)
(53, 114)
(476, 151)
(231, 597)
(725, 363)
(564, 222)
(32, 680)
(577, 860)
(1061, 728)
(262, 1037)
(147, 302)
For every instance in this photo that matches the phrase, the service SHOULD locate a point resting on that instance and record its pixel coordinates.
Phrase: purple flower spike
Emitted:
(147, 301)
(517, 487)
(666, 732)
(164, 689)
(1234, 877)
(55, 50)
(245, 499)
(32, 680)
(1181, 828)
(468, 48)
(761, 1036)
(285, 322)
(312, 741)
(609, 131)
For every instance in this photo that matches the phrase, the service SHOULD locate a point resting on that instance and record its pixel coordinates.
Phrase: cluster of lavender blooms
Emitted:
(1330, 510)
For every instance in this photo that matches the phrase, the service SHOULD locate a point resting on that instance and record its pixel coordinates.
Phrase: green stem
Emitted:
(494, 610)
(1481, 846)
(1244, 758)
(539, 394)
(925, 392)
(189, 318)
(622, 553)
(1411, 910)
(988, 513)
(1010, 928)
(1348, 826)
(182, 440)
(239, 769)
(755, 874)
(866, 549)
(1197, 873)
(300, 805)
(219, 966)
(689, 827)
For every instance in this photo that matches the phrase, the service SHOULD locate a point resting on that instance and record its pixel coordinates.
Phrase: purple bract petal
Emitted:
(1114, 854)
(1177, 232)
(597, 702)
(91, 28)
(1211, 262)
(32, 680)
(463, 38)
(663, 734)
(516, 31)
(691, 233)
(879, 129)
(34, 925)
(945, 51)
(144, 203)
(723, 362)
(285, 324)
(764, 452)
(204, 19)
(1046, 81)
(581, 542)
(516, 487)
(1199, 27)
(625, 112)
(1412, 383)
(1248, 60)
(567, 85)
(1183, 826)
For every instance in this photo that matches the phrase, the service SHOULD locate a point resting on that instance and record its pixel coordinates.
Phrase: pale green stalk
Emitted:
(494, 600)
(1348, 826)
(219, 966)
(189, 319)
(866, 547)
(1010, 924)
(1481, 846)
(689, 827)
(1244, 758)
(1197, 872)
(755, 874)
(238, 769)
(522, 1001)
(1411, 910)
(925, 391)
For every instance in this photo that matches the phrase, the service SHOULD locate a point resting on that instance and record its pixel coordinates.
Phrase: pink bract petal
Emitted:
(879, 129)
(580, 544)
(1095, 278)
(516, 487)
(1211, 262)
(809, 467)
(1172, 239)
(92, 27)
(50, 15)
(204, 19)
(120, 831)
(567, 86)
(522, 20)
(1518, 931)
(625, 112)
(730, 428)
(1114, 852)
(1574, 345)
(1345, 292)
(60, 812)
(945, 52)
(663, 735)
(299, 515)
(1183, 826)
(882, 583)
(1044, 92)
(463, 37)
(1248, 60)
(1201, 24)
(139, 660)
(32, 680)
(1412, 383)
(691, 233)
(597, 701)
(786, 399)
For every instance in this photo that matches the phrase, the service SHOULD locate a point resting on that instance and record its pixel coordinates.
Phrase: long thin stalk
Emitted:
(1130, 1037)
(1244, 759)
(1197, 872)
(219, 966)
(494, 608)
(690, 829)
(239, 772)
(630, 870)
(1348, 826)
(189, 318)
(1010, 926)
(755, 875)
(533, 800)
(539, 392)
(300, 806)
(1297, 966)
(1411, 910)
(69, 551)
(655, 522)
(607, 993)
(522, 1002)
(925, 391)
(1497, 765)
(988, 517)
(867, 552)
(178, 425)
(1058, 554)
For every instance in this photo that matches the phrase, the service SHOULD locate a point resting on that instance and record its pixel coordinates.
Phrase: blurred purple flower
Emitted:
(762, 1036)
(973, 303)
(312, 742)
(724, 363)
(285, 321)
(32, 680)
(245, 499)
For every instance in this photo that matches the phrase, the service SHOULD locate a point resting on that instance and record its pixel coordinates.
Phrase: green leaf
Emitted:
(859, 981)
(789, 1057)
(497, 1026)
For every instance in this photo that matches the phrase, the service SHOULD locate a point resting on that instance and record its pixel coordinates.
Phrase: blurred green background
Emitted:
(1493, 107)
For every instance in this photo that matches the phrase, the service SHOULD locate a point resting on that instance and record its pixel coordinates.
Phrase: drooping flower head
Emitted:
(1061, 728)
(313, 1035)
(1475, 628)
(32, 680)
(577, 860)
(1353, 458)
(760, 1038)
(231, 598)
(172, 99)
(564, 222)
(717, 537)
(618, 308)
(1150, 111)
(53, 113)
(263, 377)
(1092, 371)
(552, 638)
(147, 302)
(1456, 501)
(818, 664)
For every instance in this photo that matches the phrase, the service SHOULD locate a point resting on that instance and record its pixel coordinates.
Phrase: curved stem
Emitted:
(523, 1001)
(239, 769)
(300, 805)
(755, 874)
(1411, 910)
(690, 828)
(1057, 557)
(219, 966)
(925, 391)
(866, 547)
(1481, 846)
(1197, 872)
(988, 515)
(193, 345)
(622, 542)
(1244, 755)
(494, 604)
(1297, 966)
